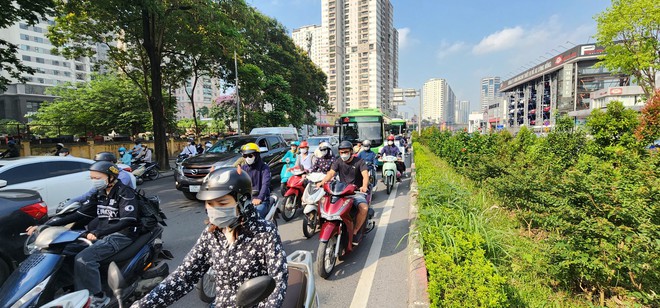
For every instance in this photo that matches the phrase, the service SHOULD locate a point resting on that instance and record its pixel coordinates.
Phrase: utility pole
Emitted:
(237, 98)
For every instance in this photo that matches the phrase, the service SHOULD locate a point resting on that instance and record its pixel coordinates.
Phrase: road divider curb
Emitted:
(417, 275)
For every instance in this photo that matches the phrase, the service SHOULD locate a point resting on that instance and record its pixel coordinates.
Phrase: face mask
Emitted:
(390, 143)
(345, 157)
(99, 184)
(62, 154)
(250, 160)
(304, 151)
(365, 148)
(121, 153)
(222, 216)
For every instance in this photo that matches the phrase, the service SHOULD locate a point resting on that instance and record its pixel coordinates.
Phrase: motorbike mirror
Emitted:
(263, 149)
(253, 291)
(3, 183)
(115, 278)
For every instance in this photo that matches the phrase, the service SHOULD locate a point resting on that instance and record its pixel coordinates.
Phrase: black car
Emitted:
(227, 152)
(19, 209)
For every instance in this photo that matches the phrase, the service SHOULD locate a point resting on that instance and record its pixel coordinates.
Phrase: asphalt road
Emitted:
(378, 267)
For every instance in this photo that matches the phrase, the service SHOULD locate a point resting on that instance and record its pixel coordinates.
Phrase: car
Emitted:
(316, 140)
(56, 178)
(19, 209)
(290, 134)
(227, 152)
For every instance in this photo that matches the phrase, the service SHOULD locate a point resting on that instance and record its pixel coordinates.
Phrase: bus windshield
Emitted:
(356, 132)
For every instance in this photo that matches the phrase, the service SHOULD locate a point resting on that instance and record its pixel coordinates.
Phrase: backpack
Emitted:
(149, 211)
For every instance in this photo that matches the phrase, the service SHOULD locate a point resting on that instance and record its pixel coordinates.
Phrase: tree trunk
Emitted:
(156, 97)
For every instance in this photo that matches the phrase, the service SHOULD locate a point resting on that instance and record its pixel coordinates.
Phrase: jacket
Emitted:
(390, 150)
(305, 163)
(259, 172)
(323, 164)
(284, 174)
(368, 156)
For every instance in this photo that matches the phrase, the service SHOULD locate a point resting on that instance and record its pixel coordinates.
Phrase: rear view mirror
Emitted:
(253, 291)
(263, 149)
(3, 183)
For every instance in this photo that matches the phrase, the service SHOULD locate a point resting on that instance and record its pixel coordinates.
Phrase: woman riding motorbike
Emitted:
(237, 245)
(289, 160)
(325, 160)
(259, 172)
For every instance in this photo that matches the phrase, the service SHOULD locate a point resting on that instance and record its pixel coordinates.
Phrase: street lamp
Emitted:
(238, 98)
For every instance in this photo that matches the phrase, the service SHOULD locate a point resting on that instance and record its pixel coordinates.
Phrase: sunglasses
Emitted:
(248, 155)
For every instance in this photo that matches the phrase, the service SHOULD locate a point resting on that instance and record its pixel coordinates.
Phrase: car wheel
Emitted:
(190, 196)
(5, 271)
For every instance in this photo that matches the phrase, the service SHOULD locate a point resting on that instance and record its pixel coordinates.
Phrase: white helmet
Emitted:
(366, 143)
(324, 145)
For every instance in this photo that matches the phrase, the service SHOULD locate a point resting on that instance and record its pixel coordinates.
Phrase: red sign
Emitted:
(616, 91)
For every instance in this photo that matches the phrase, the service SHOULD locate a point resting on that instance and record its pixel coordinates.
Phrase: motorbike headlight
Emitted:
(30, 296)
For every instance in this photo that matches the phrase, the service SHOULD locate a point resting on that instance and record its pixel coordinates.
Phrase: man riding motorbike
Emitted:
(352, 170)
(12, 150)
(367, 154)
(325, 160)
(237, 245)
(392, 150)
(190, 149)
(113, 211)
(259, 172)
(58, 149)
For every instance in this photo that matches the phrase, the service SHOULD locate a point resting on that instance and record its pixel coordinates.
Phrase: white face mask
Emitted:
(390, 143)
(345, 157)
(250, 160)
(121, 153)
(366, 148)
(304, 151)
(99, 184)
(62, 154)
(222, 216)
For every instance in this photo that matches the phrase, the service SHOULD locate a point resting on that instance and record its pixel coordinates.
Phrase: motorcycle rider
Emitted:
(12, 150)
(352, 170)
(237, 245)
(148, 154)
(113, 211)
(325, 159)
(58, 149)
(367, 154)
(190, 149)
(392, 150)
(259, 172)
(65, 152)
(305, 159)
(288, 158)
(125, 157)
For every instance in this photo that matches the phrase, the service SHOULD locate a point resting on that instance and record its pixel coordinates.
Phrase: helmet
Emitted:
(250, 148)
(366, 143)
(223, 181)
(390, 138)
(105, 167)
(122, 149)
(106, 156)
(296, 143)
(345, 145)
(324, 145)
(60, 145)
(304, 144)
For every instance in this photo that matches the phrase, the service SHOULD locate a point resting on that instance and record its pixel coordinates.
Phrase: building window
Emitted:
(39, 60)
(27, 58)
(23, 26)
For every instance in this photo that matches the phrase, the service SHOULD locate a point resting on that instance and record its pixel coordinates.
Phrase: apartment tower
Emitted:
(490, 92)
(439, 101)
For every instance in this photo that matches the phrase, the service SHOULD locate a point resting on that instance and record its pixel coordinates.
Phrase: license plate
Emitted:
(194, 188)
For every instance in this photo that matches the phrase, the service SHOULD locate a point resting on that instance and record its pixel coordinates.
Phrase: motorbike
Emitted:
(311, 198)
(179, 159)
(372, 174)
(301, 288)
(47, 272)
(296, 186)
(338, 216)
(390, 173)
(78, 299)
(144, 170)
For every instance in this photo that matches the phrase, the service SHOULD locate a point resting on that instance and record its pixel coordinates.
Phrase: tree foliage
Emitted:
(630, 32)
(649, 126)
(28, 11)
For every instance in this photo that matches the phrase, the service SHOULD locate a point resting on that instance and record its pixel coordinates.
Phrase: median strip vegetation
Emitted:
(566, 220)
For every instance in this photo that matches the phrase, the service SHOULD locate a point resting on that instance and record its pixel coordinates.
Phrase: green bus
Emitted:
(397, 127)
(361, 124)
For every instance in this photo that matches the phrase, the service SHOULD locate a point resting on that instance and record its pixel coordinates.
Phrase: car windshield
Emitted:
(229, 145)
(316, 141)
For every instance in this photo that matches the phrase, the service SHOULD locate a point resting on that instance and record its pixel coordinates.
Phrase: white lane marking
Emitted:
(363, 289)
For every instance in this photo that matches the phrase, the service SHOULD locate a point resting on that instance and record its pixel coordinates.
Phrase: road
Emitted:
(383, 284)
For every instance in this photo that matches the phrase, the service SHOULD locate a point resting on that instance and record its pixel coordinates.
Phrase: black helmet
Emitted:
(106, 156)
(223, 181)
(345, 145)
(105, 167)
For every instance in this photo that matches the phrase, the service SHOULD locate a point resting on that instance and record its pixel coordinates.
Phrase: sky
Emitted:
(464, 41)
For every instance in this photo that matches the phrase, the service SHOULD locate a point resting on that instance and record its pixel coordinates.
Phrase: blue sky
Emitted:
(463, 41)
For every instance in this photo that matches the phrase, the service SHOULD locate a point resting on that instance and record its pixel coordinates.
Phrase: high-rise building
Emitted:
(310, 39)
(359, 54)
(439, 101)
(205, 92)
(34, 50)
(490, 92)
(462, 112)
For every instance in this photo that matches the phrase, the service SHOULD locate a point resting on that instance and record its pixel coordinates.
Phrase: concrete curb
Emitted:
(417, 275)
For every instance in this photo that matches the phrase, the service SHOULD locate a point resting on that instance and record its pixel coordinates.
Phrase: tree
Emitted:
(613, 128)
(139, 36)
(648, 130)
(630, 32)
(28, 11)
(108, 102)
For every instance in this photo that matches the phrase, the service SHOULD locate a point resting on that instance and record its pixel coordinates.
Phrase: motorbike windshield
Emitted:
(229, 145)
(336, 188)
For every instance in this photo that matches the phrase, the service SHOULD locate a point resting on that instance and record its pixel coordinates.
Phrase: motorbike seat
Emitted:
(296, 291)
(132, 249)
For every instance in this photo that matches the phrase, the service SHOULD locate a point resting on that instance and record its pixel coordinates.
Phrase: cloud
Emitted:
(447, 49)
(500, 40)
(405, 40)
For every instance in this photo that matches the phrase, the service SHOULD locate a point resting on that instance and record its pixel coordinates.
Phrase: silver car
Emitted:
(315, 141)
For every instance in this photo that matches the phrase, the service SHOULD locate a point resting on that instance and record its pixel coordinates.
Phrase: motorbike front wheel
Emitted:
(390, 183)
(309, 224)
(325, 257)
(206, 287)
(153, 174)
(289, 208)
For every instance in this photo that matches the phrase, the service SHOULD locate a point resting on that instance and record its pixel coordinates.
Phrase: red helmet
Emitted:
(304, 144)
(390, 137)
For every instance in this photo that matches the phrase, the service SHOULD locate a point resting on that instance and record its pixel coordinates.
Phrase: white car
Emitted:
(55, 178)
(314, 143)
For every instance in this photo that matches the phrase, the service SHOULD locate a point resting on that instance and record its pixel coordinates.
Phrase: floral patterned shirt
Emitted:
(257, 251)
(323, 164)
